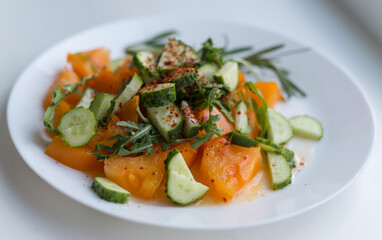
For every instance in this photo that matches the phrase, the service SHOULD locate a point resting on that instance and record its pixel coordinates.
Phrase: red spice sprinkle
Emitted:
(125, 168)
(141, 168)
(227, 143)
(167, 107)
(176, 114)
(154, 173)
(245, 157)
(302, 164)
(224, 199)
(273, 165)
(173, 125)
(239, 112)
(212, 180)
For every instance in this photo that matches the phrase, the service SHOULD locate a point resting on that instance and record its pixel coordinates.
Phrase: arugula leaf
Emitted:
(140, 139)
(225, 110)
(210, 126)
(261, 112)
(58, 95)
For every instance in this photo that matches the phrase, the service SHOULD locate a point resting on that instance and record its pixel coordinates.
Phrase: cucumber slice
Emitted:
(191, 123)
(270, 146)
(172, 56)
(168, 120)
(242, 140)
(110, 191)
(207, 71)
(146, 63)
(130, 90)
(78, 126)
(101, 105)
(116, 64)
(87, 98)
(279, 130)
(241, 118)
(182, 77)
(175, 162)
(183, 190)
(156, 95)
(181, 187)
(228, 75)
(190, 56)
(307, 127)
(281, 173)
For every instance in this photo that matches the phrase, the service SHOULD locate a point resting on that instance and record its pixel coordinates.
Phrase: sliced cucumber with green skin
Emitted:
(101, 105)
(78, 126)
(242, 140)
(307, 127)
(190, 57)
(279, 130)
(181, 187)
(168, 120)
(146, 63)
(156, 95)
(228, 75)
(183, 190)
(87, 98)
(130, 90)
(110, 191)
(241, 118)
(191, 123)
(175, 162)
(182, 77)
(270, 146)
(281, 173)
(207, 71)
(116, 64)
(172, 56)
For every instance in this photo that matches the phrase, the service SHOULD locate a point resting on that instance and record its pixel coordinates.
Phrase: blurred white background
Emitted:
(349, 32)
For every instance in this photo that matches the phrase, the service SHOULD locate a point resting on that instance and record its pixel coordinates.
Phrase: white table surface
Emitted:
(31, 209)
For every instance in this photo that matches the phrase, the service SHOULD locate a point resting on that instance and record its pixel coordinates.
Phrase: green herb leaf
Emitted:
(257, 59)
(140, 138)
(261, 112)
(210, 126)
(58, 96)
(94, 67)
(154, 44)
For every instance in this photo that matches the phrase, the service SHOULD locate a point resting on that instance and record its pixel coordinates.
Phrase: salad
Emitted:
(167, 118)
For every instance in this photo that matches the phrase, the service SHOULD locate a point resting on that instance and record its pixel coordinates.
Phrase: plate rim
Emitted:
(337, 64)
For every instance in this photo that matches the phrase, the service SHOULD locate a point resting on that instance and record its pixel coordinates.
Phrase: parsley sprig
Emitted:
(138, 140)
(58, 96)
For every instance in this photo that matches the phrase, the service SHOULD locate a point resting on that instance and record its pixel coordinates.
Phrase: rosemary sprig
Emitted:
(259, 60)
(154, 44)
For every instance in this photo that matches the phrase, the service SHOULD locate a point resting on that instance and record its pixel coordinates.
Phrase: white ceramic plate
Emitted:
(332, 97)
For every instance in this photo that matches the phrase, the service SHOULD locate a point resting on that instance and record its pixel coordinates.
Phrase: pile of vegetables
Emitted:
(166, 107)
